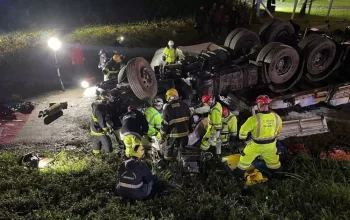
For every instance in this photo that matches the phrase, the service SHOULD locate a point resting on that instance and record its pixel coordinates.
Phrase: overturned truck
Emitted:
(291, 68)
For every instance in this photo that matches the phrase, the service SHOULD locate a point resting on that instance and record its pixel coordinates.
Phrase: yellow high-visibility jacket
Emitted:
(169, 55)
(229, 128)
(264, 127)
(215, 119)
(154, 119)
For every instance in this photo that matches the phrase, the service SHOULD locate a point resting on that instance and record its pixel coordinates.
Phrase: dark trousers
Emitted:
(173, 144)
(102, 141)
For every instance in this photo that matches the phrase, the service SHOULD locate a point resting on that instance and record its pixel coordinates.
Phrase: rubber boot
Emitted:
(276, 173)
(238, 173)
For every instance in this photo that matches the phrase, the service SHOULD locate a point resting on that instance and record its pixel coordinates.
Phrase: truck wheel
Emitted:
(319, 55)
(265, 26)
(122, 75)
(279, 31)
(266, 49)
(141, 78)
(231, 35)
(244, 41)
(283, 63)
(307, 40)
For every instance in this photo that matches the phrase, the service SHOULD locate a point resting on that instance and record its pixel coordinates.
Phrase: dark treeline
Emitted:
(16, 14)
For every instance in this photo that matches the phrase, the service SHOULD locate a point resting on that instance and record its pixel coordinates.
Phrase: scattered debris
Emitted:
(53, 112)
(335, 154)
(30, 160)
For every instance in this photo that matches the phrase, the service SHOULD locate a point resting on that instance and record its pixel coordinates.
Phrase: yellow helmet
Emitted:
(138, 151)
(171, 93)
(117, 58)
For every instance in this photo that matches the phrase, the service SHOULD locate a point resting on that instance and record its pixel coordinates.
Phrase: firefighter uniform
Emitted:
(111, 69)
(98, 128)
(154, 119)
(214, 126)
(170, 55)
(229, 128)
(264, 128)
(134, 126)
(176, 126)
(134, 180)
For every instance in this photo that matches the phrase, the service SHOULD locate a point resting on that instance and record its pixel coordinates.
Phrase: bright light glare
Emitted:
(90, 92)
(54, 43)
(84, 84)
(121, 38)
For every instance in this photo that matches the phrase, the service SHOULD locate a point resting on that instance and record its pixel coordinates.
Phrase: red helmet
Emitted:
(206, 98)
(224, 112)
(263, 100)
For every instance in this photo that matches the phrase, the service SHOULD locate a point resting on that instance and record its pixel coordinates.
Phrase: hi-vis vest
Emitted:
(264, 127)
(154, 119)
(229, 128)
(215, 118)
(170, 55)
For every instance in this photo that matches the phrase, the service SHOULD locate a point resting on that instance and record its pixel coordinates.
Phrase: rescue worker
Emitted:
(103, 59)
(264, 127)
(154, 118)
(112, 68)
(176, 124)
(134, 178)
(98, 127)
(212, 135)
(229, 127)
(134, 126)
(170, 54)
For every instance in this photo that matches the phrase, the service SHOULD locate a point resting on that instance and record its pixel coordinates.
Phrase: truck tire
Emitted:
(231, 35)
(319, 55)
(279, 31)
(244, 41)
(265, 26)
(283, 63)
(141, 78)
(307, 40)
(122, 75)
(265, 50)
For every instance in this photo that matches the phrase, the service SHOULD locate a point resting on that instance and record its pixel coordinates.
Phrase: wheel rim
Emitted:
(283, 65)
(146, 78)
(282, 36)
(320, 59)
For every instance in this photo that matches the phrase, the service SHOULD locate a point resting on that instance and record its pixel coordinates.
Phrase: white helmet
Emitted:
(158, 102)
(171, 43)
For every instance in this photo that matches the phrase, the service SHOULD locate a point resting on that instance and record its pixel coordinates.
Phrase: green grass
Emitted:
(320, 2)
(79, 186)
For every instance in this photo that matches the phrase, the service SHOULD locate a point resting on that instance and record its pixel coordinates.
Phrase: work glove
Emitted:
(211, 141)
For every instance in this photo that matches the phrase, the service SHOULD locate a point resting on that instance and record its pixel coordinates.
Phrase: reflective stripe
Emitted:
(215, 109)
(276, 124)
(132, 133)
(259, 124)
(93, 117)
(184, 134)
(130, 186)
(151, 119)
(178, 120)
(96, 133)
